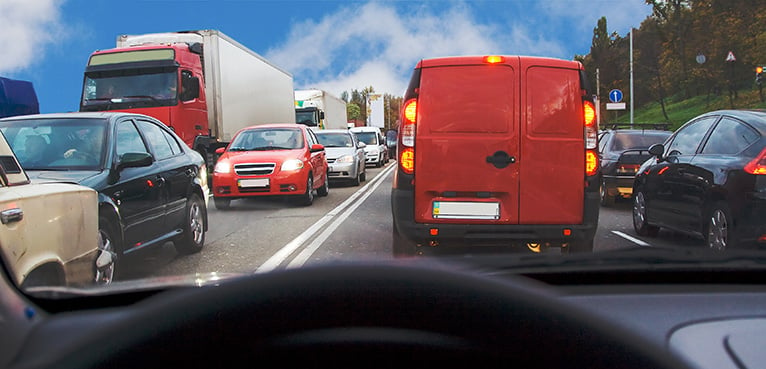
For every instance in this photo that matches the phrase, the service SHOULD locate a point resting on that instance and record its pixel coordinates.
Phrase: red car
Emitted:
(271, 160)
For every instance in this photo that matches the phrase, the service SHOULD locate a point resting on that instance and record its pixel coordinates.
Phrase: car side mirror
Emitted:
(134, 160)
(220, 150)
(317, 147)
(361, 145)
(657, 150)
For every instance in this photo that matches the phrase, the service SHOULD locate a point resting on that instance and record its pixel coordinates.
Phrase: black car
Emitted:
(152, 188)
(622, 149)
(709, 179)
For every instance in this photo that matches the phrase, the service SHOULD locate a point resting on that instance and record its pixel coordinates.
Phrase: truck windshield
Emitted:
(157, 87)
(306, 117)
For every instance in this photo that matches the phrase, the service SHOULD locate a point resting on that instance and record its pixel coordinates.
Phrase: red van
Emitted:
(496, 150)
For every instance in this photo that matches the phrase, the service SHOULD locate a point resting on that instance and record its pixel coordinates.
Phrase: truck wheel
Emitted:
(325, 189)
(106, 262)
(222, 203)
(193, 237)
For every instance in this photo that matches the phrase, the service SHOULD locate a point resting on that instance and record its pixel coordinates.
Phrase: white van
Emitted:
(376, 152)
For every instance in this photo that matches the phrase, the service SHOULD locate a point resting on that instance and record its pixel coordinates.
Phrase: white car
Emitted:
(376, 150)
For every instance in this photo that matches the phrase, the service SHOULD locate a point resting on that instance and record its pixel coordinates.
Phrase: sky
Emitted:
(327, 44)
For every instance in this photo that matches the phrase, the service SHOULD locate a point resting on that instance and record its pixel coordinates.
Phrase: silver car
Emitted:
(345, 155)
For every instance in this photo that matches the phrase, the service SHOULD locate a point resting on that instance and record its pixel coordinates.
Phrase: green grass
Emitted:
(680, 111)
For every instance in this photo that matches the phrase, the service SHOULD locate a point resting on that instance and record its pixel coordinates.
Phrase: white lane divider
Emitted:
(280, 256)
(632, 239)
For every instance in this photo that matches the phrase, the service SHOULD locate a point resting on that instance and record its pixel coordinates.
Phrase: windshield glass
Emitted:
(156, 86)
(482, 142)
(369, 138)
(57, 144)
(335, 140)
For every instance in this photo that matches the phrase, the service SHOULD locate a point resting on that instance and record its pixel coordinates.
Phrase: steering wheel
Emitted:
(368, 315)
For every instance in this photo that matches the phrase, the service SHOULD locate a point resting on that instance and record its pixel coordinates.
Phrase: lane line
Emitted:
(288, 249)
(632, 239)
(306, 253)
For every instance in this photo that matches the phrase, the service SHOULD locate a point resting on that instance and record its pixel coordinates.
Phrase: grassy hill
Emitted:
(680, 111)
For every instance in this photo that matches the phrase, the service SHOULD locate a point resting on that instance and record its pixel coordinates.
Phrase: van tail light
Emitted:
(407, 136)
(591, 162)
(589, 120)
(757, 165)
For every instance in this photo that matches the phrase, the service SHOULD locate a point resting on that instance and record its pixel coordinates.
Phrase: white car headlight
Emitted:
(345, 159)
(222, 166)
(292, 164)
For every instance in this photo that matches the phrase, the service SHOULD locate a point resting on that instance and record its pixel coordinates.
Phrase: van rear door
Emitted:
(467, 142)
(552, 158)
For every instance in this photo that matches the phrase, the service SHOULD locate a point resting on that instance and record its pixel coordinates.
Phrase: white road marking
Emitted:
(632, 239)
(280, 256)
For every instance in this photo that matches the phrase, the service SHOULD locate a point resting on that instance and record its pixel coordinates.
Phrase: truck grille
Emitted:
(254, 169)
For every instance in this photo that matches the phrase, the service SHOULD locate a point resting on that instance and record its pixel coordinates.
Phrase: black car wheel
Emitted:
(106, 261)
(325, 189)
(222, 203)
(357, 180)
(640, 223)
(606, 200)
(194, 227)
(363, 176)
(308, 197)
(719, 232)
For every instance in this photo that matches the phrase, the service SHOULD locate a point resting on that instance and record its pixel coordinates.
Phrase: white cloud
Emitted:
(378, 44)
(27, 26)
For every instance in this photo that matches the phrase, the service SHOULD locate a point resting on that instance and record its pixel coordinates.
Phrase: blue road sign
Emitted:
(615, 96)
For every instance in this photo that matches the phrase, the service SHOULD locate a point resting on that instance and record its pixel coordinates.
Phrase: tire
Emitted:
(356, 181)
(719, 231)
(401, 247)
(308, 197)
(579, 246)
(325, 189)
(193, 237)
(222, 203)
(640, 221)
(379, 163)
(47, 275)
(363, 176)
(606, 199)
(105, 266)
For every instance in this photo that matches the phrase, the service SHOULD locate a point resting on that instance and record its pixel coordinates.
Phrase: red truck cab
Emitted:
(162, 81)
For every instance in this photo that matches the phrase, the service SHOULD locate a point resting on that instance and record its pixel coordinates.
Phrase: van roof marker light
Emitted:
(494, 59)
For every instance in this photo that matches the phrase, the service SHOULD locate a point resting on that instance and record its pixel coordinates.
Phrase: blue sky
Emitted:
(328, 44)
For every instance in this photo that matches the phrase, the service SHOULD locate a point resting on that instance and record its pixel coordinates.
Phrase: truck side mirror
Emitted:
(321, 115)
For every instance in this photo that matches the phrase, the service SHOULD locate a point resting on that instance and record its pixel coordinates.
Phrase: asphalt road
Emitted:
(352, 223)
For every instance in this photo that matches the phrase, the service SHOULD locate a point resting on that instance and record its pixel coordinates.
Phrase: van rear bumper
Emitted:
(402, 207)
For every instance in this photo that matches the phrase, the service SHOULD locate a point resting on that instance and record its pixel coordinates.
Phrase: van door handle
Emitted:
(11, 215)
(500, 159)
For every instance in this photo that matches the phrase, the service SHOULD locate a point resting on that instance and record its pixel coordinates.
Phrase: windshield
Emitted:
(57, 144)
(369, 138)
(103, 87)
(335, 140)
(491, 125)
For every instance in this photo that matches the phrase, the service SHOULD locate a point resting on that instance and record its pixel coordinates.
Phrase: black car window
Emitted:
(729, 137)
(156, 139)
(173, 142)
(128, 139)
(688, 138)
(602, 140)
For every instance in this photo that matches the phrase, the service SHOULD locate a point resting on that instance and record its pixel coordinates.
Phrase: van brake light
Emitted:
(591, 162)
(493, 59)
(757, 165)
(407, 160)
(589, 120)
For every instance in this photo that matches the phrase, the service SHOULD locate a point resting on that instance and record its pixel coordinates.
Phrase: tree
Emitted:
(353, 112)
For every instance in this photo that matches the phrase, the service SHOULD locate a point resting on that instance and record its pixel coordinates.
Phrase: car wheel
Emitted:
(606, 200)
(401, 247)
(363, 176)
(379, 163)
(325, 189)
(106, 261)
(308, 197)
(194, 227)
(222, 203)
(719, 232)
(640, 222)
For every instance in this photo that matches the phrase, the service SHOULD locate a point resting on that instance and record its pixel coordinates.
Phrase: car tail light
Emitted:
(757, 165)
(407, 160)
(591, 162)
(631, 169)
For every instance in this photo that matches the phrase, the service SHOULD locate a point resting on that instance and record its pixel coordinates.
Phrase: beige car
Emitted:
(49, 232)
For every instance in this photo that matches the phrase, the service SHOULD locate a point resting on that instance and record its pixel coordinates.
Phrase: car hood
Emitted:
(69, 176)
(336, 152)
(271, 156)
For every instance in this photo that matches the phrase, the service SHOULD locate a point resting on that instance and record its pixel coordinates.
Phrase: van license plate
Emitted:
(466, 210)
(259, 182)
